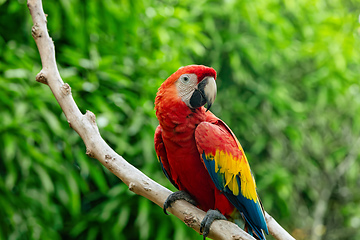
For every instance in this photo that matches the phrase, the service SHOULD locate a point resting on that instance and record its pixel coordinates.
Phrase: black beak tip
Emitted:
(208, 107)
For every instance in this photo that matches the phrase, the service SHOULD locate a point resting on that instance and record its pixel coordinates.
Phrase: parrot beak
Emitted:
(205, 93)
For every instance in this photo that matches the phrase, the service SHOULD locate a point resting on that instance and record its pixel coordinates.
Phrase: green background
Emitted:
(288, 86)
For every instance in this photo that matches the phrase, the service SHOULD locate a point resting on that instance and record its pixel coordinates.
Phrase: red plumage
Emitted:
(181, 159)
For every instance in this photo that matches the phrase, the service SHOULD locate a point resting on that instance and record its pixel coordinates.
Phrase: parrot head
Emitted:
(194, 85)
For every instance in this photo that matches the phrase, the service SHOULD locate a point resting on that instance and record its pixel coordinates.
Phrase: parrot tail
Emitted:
(252, 232)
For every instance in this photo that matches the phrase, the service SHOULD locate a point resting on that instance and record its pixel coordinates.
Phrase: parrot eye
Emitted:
(185, 78)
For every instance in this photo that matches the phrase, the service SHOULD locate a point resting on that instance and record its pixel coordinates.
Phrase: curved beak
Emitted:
(205, 93)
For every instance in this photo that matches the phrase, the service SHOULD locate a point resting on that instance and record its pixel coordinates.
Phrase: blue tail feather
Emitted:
(251, 211)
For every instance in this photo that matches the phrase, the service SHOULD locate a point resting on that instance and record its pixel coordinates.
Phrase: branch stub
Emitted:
(90, 153)
(132, 186)
(65, 89)
(190, 221)
(41, 78)
(91, 116)
(35, 31)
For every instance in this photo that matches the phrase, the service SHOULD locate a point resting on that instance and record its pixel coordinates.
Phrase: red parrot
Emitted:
(201, 156)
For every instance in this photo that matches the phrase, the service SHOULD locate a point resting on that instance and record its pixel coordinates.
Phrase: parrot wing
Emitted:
(229, 169)
(162, 156)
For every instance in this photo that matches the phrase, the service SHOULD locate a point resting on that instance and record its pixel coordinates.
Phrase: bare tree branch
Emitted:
(276, 230)
(96, 147)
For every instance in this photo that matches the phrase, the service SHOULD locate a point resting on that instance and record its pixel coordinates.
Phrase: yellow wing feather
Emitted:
(231, 167)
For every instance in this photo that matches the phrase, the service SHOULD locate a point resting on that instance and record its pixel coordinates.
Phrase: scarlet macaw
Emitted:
(200, 155)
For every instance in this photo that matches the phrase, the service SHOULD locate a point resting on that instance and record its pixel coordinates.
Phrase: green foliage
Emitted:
(288, 86)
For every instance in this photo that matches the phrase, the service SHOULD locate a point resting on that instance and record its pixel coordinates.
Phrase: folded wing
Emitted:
(161, 154)
(229, 169)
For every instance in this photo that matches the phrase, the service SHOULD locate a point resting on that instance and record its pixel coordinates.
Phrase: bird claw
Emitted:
(179, 195)
(209, 218)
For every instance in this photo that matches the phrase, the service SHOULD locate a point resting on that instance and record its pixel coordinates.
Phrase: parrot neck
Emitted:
(176, 117)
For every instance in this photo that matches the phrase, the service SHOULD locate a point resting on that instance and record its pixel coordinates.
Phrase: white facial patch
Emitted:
(186, 85)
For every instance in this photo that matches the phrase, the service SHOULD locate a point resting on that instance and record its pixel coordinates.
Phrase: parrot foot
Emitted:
(179, 195)
(209, 218)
